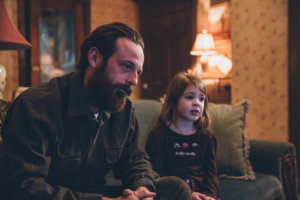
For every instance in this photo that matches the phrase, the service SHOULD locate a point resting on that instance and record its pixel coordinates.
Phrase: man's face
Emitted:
(109, 89)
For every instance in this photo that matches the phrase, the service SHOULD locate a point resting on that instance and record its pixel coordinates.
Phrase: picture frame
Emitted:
(219, 20)
(220, 27)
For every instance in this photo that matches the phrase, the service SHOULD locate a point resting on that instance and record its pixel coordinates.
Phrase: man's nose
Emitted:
(132, 78)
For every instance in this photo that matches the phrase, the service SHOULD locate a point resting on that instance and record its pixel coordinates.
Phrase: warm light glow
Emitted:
(204, 44)
(10, 38)
(218, 66)
(223, 63)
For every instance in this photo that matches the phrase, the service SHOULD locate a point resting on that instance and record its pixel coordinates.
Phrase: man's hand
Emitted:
(129, 197)
(142, 193)
(200, 196)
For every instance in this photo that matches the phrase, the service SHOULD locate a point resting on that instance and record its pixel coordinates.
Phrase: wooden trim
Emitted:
(34, 38)
(294, 75)
(24, 55)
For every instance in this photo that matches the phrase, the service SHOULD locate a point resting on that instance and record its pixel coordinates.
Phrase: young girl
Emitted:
(181, 144)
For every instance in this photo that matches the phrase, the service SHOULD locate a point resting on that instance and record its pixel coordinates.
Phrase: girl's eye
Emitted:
(190, 97)
(201, 99)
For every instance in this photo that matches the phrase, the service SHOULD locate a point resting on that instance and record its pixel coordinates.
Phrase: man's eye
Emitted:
(127, 67)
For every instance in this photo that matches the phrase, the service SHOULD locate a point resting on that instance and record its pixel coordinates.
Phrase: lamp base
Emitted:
(205, 66)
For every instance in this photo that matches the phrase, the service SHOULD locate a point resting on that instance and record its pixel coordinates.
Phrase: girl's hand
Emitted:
(200, 196)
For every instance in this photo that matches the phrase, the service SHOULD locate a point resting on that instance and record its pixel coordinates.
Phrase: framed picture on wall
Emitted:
(219, 26)
(219, 20)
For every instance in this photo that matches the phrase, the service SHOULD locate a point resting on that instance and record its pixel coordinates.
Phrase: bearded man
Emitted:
(61, 138)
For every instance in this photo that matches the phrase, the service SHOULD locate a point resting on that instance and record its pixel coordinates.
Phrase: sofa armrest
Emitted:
(278, 159)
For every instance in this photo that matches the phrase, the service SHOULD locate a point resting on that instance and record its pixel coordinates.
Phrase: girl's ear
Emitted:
(94, 57)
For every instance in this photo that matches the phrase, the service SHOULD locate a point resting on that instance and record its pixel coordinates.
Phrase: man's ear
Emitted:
(94, 57)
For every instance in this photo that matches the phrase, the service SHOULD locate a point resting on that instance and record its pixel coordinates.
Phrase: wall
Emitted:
(9, 59)
(202, 15)
(107, 11)
(259, 48)
(102, 12)
(259, 53)
(260, 65)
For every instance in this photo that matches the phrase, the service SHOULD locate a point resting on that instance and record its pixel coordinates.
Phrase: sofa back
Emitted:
(227, 123)
(146, 112)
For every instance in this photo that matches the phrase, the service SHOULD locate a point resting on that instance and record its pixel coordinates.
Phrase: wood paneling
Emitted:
(294, 77)
(168, 29)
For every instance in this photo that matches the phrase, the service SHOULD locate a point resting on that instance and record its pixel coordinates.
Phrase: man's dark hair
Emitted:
(104, 38)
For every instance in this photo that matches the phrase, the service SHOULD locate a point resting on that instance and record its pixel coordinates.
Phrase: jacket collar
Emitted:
(77, 100)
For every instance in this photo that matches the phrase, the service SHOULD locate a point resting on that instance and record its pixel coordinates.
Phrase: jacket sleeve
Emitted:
(25, 161)
(155, 148)
(134, 167)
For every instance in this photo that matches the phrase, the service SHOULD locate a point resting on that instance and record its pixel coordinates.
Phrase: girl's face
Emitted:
(191, 104)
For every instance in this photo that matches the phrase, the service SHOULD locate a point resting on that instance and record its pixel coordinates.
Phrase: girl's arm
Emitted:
(200, 196)
(211, 175)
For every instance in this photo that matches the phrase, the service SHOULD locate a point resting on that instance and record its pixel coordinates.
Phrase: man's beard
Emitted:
(105, 95)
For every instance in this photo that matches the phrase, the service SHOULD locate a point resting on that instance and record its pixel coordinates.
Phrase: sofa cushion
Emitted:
(265, 186)
(228, 123)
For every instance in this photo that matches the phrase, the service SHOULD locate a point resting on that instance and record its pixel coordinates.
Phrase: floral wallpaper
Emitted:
(260, 65)
(107, 11)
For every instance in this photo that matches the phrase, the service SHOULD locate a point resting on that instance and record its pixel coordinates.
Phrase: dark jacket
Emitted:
(55, 148)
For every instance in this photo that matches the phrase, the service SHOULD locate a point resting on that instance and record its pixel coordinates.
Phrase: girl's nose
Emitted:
(196, 102)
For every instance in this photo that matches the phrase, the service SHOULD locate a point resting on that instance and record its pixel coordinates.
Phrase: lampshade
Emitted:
(204, 44)
(10, 38)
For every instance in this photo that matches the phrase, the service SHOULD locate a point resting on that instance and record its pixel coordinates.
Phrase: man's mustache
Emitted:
(126, 88)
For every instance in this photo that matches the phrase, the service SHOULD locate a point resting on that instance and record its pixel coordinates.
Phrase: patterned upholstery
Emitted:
(3, 109)
(289, 172)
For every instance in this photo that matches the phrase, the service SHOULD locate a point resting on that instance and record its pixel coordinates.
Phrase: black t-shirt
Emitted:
(191, 157)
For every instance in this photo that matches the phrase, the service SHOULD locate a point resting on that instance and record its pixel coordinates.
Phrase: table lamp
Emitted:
(203, 47)
(10, 39)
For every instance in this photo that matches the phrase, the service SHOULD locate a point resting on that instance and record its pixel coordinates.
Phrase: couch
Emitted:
(273, 164)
